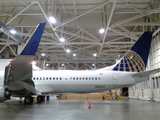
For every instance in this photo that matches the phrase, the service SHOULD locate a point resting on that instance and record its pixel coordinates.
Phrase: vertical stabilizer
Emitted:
(135, 60)
(31, 47)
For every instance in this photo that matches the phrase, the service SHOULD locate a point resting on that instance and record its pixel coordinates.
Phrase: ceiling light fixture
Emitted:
(68, 50)
(101, 31)
(95, 54)
(13, 31)
(43, 54)
(62, 39)
(52, 20)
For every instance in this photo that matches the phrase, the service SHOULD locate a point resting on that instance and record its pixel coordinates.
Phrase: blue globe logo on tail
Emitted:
(130, 62)
(135, 60)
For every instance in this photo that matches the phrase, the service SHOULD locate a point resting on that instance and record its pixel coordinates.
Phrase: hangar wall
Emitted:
(149, 89)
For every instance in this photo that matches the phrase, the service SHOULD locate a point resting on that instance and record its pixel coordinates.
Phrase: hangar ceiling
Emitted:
(78, 21)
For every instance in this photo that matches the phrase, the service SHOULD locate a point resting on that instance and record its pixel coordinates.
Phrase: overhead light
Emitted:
(92, 64)
(13, 31)
(74, 55)
(43, 54)
(62, 39)
(62, 64)
(101, 31)
(95, 54)
(47, 64)
(52, 20)
(68, 50)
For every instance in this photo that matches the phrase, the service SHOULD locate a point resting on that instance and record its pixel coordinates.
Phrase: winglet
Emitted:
(31, 47)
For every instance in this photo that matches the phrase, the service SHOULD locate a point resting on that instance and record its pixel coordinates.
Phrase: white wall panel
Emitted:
(150, 89)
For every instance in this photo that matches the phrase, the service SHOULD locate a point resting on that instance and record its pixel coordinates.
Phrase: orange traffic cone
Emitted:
(89, 105)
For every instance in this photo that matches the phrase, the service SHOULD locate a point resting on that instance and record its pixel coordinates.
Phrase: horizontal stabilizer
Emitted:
(146, 73)
(31, 88)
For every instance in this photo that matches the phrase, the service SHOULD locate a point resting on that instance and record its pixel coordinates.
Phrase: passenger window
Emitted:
(34, 78)
(86, 78)
(40, 78)
(89, 78)
(98, 78)
(73, 78)
(77, 78)
(54, 78)
(65, 78)
(60, 78)
(92, 78)
(80, 78)
(37, 78)
(44, 78)
(50, 78)
(95, 78)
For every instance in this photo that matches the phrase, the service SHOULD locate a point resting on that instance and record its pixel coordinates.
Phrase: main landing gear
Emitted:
(40, 99)
(28, 100)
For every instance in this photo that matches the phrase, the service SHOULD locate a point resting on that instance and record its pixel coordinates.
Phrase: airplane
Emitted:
(129, 71)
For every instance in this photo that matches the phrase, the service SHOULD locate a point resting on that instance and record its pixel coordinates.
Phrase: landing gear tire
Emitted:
(28, 100)
(40, 99)
(7, 94)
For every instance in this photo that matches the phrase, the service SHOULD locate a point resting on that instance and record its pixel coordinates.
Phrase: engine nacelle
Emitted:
(2, 96)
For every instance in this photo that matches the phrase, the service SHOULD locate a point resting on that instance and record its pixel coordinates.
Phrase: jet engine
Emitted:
(4, 94)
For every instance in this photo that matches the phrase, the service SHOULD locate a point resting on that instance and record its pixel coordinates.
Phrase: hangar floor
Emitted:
(127, 109)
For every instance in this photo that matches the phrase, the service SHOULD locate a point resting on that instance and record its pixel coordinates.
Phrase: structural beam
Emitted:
(107, 27)
(31, 3)
(148, 12)
(54, 29)
(156, 31)
(88, 11)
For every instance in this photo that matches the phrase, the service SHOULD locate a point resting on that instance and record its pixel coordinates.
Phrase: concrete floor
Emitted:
(127, 109)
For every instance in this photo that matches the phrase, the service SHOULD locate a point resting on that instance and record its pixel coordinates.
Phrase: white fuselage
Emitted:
(68, 81)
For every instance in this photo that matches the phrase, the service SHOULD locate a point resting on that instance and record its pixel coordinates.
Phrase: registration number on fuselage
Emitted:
(98, 86)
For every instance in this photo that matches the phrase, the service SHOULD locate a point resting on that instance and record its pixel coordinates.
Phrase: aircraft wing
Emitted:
(146, 73)
(31, 88)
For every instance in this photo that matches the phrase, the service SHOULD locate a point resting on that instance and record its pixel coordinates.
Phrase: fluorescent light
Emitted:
(74, 55)
(52, 20)
(43, 54)
(13, 31)
(101, 30)
(62, 39)
(95, 54)
(68, 50)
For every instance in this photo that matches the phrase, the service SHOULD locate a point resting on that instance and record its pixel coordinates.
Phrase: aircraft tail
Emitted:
(135, 60)
(31, 46)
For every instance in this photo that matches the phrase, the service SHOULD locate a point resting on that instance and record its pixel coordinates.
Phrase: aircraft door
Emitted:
(114, 79)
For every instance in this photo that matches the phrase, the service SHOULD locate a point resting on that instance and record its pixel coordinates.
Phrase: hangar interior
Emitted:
(74, 42)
